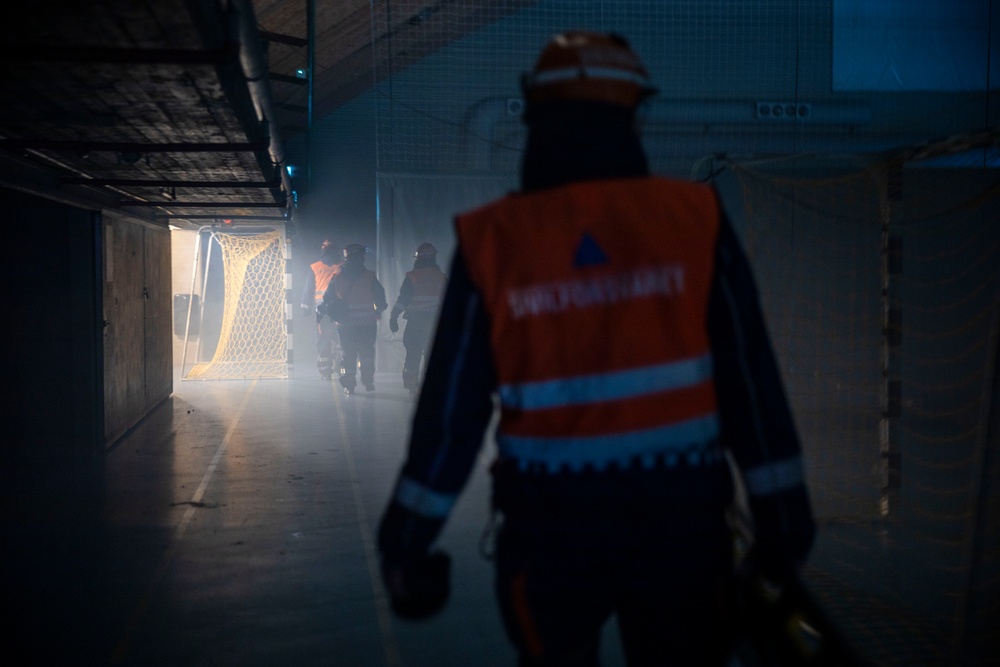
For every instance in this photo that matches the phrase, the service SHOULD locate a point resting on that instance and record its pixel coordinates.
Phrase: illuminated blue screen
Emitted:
(916, 45)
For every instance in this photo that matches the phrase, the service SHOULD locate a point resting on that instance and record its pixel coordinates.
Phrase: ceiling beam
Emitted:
(229, 53)
(287, 78)
(201, 204)
(283, 39)
(182, 216)
(167, 183)
(130, 147)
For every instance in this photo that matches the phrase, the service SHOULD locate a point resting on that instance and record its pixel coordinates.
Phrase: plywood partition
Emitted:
(137, 317)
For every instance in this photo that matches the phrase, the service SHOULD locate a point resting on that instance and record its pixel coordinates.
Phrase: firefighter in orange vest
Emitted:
(613, 315)
(418, 303)
(321, 272)
(364, 299)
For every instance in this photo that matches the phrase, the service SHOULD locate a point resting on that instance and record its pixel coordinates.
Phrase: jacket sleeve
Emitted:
(757, 423)
(453, 412)
(405, 296)
(378, 296)
(309, 291)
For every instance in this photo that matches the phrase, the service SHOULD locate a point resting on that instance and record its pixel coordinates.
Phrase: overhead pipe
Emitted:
(764, 112)
(485, 114)
(255, 69)
(311, 79)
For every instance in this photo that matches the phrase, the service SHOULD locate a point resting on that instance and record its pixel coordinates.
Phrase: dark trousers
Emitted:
(326, 332)
(416, 338)
(357, 344)
(668, 581)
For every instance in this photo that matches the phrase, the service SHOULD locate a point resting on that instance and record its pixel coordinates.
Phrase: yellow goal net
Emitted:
(253, 341)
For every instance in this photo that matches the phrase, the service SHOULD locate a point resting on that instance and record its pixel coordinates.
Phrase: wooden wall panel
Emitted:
(124, 328)
(158, 316)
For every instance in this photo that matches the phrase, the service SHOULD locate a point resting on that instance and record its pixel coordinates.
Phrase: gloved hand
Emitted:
(773, 565)
(393, 324)
(420, 589)
(784, 531)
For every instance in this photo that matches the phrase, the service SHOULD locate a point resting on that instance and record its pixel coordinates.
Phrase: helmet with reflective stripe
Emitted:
(354, 250)
(425, 250)
(588, 66)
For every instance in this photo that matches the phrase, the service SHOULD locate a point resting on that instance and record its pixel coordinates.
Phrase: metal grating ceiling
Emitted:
(178, 110)
(159, 109)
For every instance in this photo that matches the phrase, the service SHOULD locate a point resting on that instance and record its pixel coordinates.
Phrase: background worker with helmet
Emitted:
(418, 303)
(363, 299)
(321, 272)
(615, 317)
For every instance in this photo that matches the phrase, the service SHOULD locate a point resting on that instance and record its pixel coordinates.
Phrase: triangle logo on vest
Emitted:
(588, 253)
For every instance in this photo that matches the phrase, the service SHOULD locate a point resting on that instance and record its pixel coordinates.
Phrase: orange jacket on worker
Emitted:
(599, 329)
(324, 273)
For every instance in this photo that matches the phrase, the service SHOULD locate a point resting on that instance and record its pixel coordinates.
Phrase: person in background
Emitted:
(418, 303)
(614, 317)
(364, 298)
(321, 272)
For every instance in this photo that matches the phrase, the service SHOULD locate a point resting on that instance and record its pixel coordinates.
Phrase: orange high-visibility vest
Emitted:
(324, 273)
(428, 287)
(597, 296)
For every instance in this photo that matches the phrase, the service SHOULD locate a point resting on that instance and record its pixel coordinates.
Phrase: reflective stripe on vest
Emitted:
(597, 295)
(323, 274)
(607, 386)
(428, 286)
(693, 442)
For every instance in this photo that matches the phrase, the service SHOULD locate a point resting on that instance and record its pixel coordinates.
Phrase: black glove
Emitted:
(772, 565)
(420, 589)
(393, 324)
(784, 531)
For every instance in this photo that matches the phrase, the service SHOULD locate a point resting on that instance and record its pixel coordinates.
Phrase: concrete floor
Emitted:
(235, 526)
